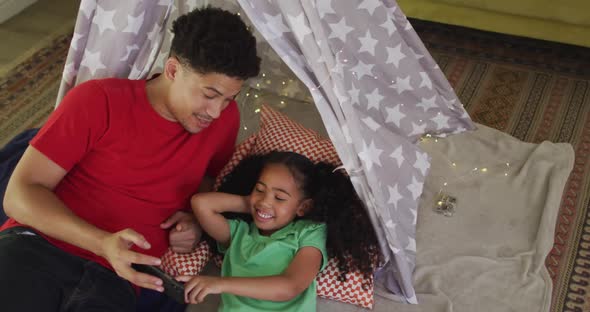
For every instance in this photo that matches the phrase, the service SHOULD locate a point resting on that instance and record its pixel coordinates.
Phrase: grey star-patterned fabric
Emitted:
(375, 85)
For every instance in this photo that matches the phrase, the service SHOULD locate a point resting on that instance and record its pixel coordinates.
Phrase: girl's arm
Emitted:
(208, 208)
(286, 286)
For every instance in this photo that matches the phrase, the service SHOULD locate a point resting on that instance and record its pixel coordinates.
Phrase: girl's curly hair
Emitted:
(211, 40)
(351, 239)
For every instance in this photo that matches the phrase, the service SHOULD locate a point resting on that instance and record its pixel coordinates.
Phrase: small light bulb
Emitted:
(284, 82)
(475, 169)
(258, 85)
(507, 164)
(245, 128)
(263, 75)
(435, 140)
(282, 102)
(484, 169)
(247, 94)
(256, 95)
(257, 110)
(439, 203)
(445, 184)
(454, 164)
(506, 174)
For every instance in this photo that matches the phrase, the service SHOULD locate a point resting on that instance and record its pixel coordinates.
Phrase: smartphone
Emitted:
(172, 288)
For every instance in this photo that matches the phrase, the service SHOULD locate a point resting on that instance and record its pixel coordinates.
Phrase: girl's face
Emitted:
(276, 199)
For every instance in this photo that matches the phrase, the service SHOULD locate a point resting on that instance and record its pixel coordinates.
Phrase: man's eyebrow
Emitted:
(219, 93)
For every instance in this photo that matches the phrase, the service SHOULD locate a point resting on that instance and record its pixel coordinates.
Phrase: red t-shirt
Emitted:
(128, 167)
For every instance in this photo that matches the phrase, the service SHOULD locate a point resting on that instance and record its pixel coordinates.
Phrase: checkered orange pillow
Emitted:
(279, 133)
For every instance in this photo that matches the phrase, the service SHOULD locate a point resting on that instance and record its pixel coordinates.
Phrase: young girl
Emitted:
(295, 208)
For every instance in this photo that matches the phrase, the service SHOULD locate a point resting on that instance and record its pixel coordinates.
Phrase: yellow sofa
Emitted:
(566, 21)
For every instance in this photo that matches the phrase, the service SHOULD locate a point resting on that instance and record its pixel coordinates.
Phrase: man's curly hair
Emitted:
(211, 40)
(351, 239)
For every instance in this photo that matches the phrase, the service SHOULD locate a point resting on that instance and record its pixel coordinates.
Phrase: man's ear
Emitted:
(304, 207)
(171, 68)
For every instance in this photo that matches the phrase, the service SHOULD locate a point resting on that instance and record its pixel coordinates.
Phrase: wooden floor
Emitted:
(24, 32)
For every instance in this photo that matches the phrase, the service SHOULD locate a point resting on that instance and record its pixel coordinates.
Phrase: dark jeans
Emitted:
(36, 276)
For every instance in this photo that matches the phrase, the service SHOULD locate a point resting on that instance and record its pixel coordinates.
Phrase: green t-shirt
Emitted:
(251, 255)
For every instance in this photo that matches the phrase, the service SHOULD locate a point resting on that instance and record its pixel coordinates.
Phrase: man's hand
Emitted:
(115, 249)
(184, 233)
(198, 287)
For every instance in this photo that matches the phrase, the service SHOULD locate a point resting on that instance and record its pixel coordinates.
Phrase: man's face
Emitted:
(198, 99)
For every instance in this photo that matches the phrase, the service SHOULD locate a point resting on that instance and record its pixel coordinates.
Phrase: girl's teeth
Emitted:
(264, 215)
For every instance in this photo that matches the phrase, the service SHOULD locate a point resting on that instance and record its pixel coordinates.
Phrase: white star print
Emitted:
(394, 195)
(371, 123)
(324, 7)
(129, 50)
(417, 129)
(92, 62)
(394, 249)
(390, 225)
(416, 55)
(275, 25)
(75, 38)
(394, 115)
(425, 81)
(340, 30)
(369, 5)
(87, 7)
(134, 23)
(361, 69)
(153, 34)
(403, 84)
(368, 43)
(411, 244)
(427, 104)
(346, 133)
(69, 73)
(389, 26)
(415, 188)
(441, 121)
(450, 103)
(373, 99)
(342, 98)
(397, 155)
(370, 155)
(299, 28)
(135, 72)
(104, 19)
(415, 215)
(354, 94)
(422, 163)
(395, 55)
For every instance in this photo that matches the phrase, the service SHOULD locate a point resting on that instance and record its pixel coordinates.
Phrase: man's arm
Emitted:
(31, 201)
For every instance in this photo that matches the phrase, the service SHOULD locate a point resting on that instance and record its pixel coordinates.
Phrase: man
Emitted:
(114, 166)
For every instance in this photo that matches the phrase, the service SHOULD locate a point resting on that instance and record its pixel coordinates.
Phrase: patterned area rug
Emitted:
(531, 89)
(29, 90)
(535, 91)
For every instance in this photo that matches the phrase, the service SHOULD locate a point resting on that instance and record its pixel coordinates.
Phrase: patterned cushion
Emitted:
(278, 132)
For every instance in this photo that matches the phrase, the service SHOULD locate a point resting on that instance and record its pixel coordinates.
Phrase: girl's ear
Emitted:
(304, 207)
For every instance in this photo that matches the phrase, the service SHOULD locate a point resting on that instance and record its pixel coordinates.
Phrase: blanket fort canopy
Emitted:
(375, 85)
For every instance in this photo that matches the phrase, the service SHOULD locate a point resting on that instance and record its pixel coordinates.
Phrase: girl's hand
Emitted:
(198, 287)
(185, 232)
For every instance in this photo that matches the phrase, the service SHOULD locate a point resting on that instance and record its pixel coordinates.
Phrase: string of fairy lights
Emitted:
(445, 203)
